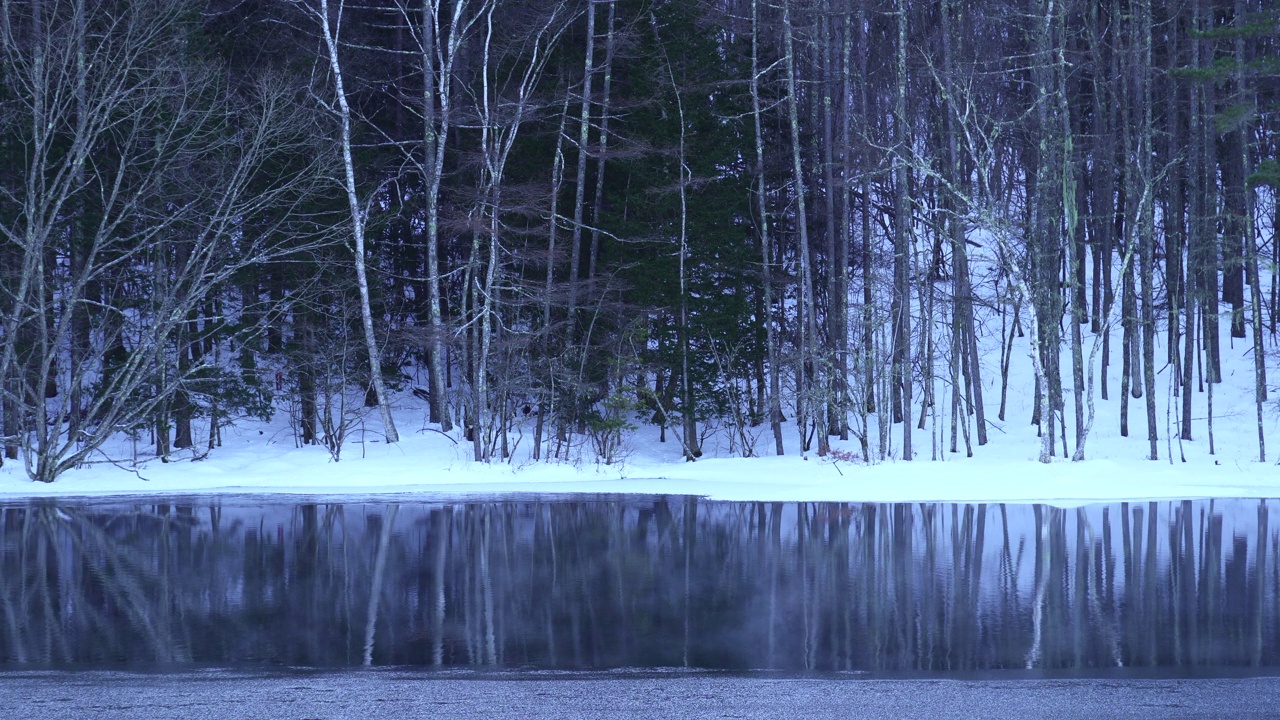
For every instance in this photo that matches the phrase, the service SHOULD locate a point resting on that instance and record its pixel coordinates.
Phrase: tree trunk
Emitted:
(688, 415)
(584, 127)
(553, 232)
(1251, 248)
(835, 409)
(964, 338)
(1231, 162)
(437, 97)
(1074, 206)
(1146, 221)
(1128, 348)
(606, 93)
(901, 305)
(1207, 261)
(307, 401)
(580, 178)
(357, 226)
(869, 361)
(766, 249)
(840, 313)
(806, 368)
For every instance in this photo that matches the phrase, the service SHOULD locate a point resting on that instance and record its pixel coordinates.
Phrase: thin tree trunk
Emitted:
(688, 414)
(357, 224)
(1232, 167)
(1175, 202)
(1006, 353)
(308, 405)
(606, 93)
(580, 179)
(1128, 320)
(497, 138)
(1146, 219)
(181, 400)
(553, 232)
(807, 366)
(1111, 189)
(869, 361)
(766, 249)
(902, 366)
(1047, 220)
(437, 86)
(1274, 307)
(1190, 291)
(835, 408)
(964, 337)
(1259, 353)
(1074, 205)
(1208, 262)
(79, 233)
(1251, 249)
(844, 238)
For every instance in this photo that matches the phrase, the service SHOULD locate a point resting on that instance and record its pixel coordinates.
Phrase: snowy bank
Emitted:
(264, 458)
(428, 464)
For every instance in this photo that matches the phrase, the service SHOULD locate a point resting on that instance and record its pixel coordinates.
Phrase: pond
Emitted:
(639, 582)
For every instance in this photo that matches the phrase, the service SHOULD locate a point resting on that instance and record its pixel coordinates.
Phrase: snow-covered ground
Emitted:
(422, 465)
(263, 458)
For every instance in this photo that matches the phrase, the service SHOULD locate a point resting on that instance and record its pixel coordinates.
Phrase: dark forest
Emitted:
(830, 216)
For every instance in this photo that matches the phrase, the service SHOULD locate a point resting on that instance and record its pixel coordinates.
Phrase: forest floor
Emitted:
(258, 457)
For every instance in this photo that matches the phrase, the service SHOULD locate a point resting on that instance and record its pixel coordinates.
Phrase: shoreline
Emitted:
(771, 479)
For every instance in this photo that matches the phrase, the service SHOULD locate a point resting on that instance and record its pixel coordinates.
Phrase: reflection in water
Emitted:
(642, 583)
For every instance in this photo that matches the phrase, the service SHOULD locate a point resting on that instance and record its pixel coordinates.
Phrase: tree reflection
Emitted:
(642, 583)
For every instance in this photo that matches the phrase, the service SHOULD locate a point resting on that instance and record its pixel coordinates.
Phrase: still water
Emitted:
(640, 582)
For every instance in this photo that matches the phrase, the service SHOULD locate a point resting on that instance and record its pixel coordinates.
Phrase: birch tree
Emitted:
(329, 16)
(508, 79)
(440, 33)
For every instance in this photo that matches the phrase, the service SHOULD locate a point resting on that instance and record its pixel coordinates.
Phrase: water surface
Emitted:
(1171, 587)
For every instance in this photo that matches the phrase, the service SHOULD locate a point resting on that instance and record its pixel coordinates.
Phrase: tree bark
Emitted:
(1146, 221)
(901, 305)
(437, 117)
(357, 221)
(553, 233)
(1251, 246)
(606, 94)
(806, 368)
(965, 337)
(580, 178)
(688, 415)
(835, 408)
(845, 236)
(766, 249)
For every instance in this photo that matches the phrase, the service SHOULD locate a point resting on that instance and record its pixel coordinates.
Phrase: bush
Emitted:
(606, 423)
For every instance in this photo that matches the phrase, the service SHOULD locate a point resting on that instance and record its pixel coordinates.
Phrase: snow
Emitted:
(258, 458)
(420, 467)
(428, 463)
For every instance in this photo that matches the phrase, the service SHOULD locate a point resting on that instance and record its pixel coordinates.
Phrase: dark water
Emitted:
(643, 582)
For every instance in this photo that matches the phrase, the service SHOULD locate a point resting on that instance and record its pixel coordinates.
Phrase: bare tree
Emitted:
(903, 371)
(440, 35)
(766, 247)
(505, 102)
(689, 440)
(330, 17)
(184, 177)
